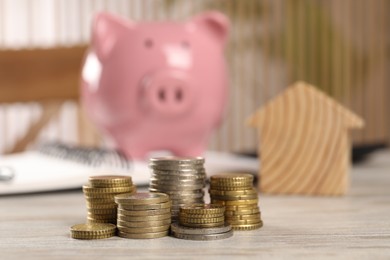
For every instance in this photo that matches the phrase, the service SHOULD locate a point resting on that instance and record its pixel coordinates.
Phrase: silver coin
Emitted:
(182, 172)
(203, 237)
(189, 196)
(187, 201)
(177, 182)
(177, 160)
(176, 199)
(175, 227)
(178, 192)
(170, 178)
(175, 167)
(183, 175)
(178, 185)
(143, 212)
(176, 208)
(178, 205)
(163, 188)
(163, 205)
(179, 178)
(179, 168)
(141, 198)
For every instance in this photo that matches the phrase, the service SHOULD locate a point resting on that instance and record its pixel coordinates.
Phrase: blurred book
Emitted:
(56, 166)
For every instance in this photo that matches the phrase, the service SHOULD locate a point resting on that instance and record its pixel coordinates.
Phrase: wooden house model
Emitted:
(304, 143)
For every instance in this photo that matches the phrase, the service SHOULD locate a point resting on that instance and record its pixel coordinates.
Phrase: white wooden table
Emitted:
(354, 226)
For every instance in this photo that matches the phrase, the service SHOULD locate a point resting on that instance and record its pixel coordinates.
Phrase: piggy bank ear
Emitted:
(107, 30)
(215, 22)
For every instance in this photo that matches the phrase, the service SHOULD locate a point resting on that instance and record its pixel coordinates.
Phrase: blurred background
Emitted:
(341, 46)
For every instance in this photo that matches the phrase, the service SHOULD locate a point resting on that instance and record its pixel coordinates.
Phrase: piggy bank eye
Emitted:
(148, 43)
(185, 44)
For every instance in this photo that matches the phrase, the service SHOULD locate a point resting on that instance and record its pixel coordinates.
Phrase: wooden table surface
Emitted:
(354, 226)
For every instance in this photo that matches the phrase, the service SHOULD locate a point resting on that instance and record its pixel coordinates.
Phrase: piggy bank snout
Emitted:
(169, 94)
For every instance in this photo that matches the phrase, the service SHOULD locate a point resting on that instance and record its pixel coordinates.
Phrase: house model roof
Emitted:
(302, 97)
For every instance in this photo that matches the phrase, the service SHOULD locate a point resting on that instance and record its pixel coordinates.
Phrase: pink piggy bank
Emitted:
(154, 86)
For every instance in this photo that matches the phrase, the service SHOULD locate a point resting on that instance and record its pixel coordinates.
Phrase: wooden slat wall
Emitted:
(340, 46)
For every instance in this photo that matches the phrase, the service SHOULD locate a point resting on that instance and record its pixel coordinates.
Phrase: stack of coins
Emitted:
(99, 194)
(201, 222)
(143, 215)
(236, 193)
(92, 231)
(183, 179)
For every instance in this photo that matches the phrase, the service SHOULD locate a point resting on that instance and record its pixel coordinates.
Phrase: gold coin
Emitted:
(89, 237)
(242, 185)
(93, 228)
(240, 217)
(113, 185)
(233, 193)
(230, 188)
(110, 180)
(96, 221)
(141, 198)
(201, 220)
(247, 227)
(243, 221)
(93, 200)
(227, 177)
(86, 234)
(97, 216)
(102, 211)
(200, 216)
(101, 205)
(203, 225)
(241, 207)
(156, 206)
(144, 224)
(144, 235)
(91, 190)
(242, 212)
(104, 196)
(144, 218)
(237, 197)
(143, 229)
(144, 212)
(235, 202)
(203, 209)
